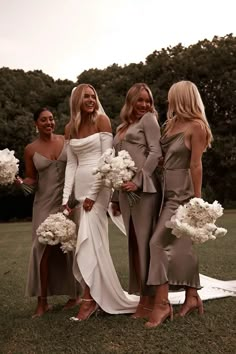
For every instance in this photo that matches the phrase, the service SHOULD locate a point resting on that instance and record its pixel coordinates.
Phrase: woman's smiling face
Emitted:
(142, 104)
(89, 100)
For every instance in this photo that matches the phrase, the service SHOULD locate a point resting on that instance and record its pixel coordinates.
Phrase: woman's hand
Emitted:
(28, 180)
(18, 181)
(129, 186)
(88, 204)
(115, 208)
(62, 208)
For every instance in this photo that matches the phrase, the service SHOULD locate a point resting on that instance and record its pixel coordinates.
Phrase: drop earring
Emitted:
(36, 130)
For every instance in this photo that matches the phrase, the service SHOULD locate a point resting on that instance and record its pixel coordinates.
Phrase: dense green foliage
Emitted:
(211, 65)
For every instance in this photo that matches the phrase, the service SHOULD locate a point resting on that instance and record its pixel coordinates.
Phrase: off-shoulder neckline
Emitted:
(91, 135)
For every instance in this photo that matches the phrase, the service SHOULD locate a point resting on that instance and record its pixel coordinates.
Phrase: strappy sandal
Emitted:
(92, 312)
(156, 319)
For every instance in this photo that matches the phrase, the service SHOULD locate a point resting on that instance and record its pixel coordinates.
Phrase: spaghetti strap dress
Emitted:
(48, 200)
(173, 259)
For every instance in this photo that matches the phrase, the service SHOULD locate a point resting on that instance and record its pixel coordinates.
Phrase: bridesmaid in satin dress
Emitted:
(172, 261)
(50, 270)
(139, 134)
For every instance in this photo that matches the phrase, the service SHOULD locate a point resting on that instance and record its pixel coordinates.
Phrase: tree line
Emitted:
(211, 65)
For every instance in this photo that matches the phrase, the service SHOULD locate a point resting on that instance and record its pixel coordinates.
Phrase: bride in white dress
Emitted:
(90, 135)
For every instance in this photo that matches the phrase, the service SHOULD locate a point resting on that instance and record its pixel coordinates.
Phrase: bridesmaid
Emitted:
(173, 263)
(50, 270)
(139, 134)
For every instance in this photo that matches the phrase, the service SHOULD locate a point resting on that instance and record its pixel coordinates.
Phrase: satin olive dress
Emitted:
(48, 199)
(141, 140)
(172, 259)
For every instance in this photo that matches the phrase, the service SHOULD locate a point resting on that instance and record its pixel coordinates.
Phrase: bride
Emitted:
(90, 134)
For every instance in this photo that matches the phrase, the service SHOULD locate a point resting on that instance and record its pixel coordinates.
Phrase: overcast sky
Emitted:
(65, 37)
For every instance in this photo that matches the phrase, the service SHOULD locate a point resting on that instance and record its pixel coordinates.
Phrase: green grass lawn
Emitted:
(53, 333)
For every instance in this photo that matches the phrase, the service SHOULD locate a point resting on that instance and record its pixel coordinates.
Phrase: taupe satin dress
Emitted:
(172, 259)
(48, 199)
(141, 140)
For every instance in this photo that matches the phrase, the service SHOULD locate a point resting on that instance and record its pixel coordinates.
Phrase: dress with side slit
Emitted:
(48, 200)
(141, 140)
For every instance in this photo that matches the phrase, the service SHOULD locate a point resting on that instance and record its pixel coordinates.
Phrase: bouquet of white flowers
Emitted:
(115, 170)
(8, 166)
(196, 220)
(57, 228)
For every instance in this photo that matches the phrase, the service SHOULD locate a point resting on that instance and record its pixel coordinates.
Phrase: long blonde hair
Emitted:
(185, 102)
(130, 101)
(76, 100)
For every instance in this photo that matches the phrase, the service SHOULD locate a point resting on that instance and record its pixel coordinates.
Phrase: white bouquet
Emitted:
(8, 166)
(196, 220)
(115, 170)
(55, 229)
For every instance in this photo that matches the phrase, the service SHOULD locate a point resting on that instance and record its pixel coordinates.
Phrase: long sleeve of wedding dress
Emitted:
(71, 166)
(106, 143)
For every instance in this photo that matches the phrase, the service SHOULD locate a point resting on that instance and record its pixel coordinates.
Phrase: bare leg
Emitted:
(42, 305)
(162, 308)
(191, 303)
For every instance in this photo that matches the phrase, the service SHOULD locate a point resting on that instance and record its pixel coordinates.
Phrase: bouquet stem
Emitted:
(133, 198)
(27, 188)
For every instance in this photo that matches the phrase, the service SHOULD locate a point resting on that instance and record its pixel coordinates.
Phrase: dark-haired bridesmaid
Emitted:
(50, 270)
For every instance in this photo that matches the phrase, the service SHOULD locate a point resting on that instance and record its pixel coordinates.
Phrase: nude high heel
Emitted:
(156, 318)
(89, 314)
(141, 312)
(186, 310)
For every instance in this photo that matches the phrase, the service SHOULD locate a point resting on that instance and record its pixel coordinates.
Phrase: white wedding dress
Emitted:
(211, 288)
(93, 264)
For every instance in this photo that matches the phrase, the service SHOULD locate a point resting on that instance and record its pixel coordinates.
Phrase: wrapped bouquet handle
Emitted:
(26, 187)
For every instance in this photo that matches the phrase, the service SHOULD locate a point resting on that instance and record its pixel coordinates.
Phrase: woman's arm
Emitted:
(69, 174)
(198, 146)
(104, 127)
(106, 143)
(30, 170)
(152, 135)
